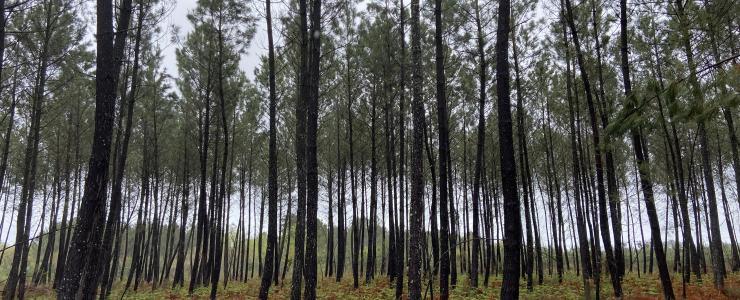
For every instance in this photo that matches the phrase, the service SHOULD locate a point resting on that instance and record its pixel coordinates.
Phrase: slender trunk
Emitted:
(88, 231)
(389, 181)
(401, 234)
(179, 278)
(698, 96)
(585, 255)
(446, 242)
(272, 166)
(416, 212)
(11, 121)
(522, 152)
(603, 217)
(120, 162)
(352, 178)
(201, 236)
(735, 263)
(611, 179)
(300, 150)
(642, 160)
(312, 184)
(372, 235)
(479, 147)
(512, 218)
(17, 275)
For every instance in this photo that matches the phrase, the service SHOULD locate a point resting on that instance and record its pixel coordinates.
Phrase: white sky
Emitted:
(178, 17)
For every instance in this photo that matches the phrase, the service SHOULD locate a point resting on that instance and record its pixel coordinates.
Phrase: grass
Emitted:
(644, 287)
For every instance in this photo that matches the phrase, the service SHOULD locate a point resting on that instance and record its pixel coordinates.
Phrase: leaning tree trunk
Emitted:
(87, 233)
(642, 161)
(120, 160)
(6, 144)
(585, 255)
(716, 240)
(17, 275)
(603, 217)
(735, 262)
(611, 179)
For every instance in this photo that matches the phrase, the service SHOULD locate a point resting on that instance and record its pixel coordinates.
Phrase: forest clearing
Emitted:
(369, 149)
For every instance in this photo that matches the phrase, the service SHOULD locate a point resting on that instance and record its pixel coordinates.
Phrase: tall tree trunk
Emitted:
(389, 180)
(11, 121)
(642, 160)
(512, 217)
(401, 233)
(433, 207)
(341, 230)
(219, 205)
(179, 278)
(88, 231)
(300, 151)
(120, 155)
(690, 255)
(480, 145)
(698, 98)
(353, 186)
(330, 235)
(523, 168)
(201, 236)
(611, 179)
(372, 235)
(585, 255)
(556, 211)
(603, 217)
(444, 153)
(416, 212)
(735, 263)
(272, 167)
(312, 183)
(17, 275)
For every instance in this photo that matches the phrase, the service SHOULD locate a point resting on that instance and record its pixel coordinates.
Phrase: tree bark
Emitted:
(585, 255)
(272, 166)
(698, 96)
(87, 233)
(480, 146)
(302, 99)
(401, 233)
(642, 161)
(416, 212)
(312, 183)
(512, 217)
(444, 152)
(603, 217)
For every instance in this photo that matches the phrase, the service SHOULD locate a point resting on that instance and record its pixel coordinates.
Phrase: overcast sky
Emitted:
(178, 17)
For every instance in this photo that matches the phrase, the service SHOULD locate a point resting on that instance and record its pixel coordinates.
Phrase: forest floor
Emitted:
(644, 287)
